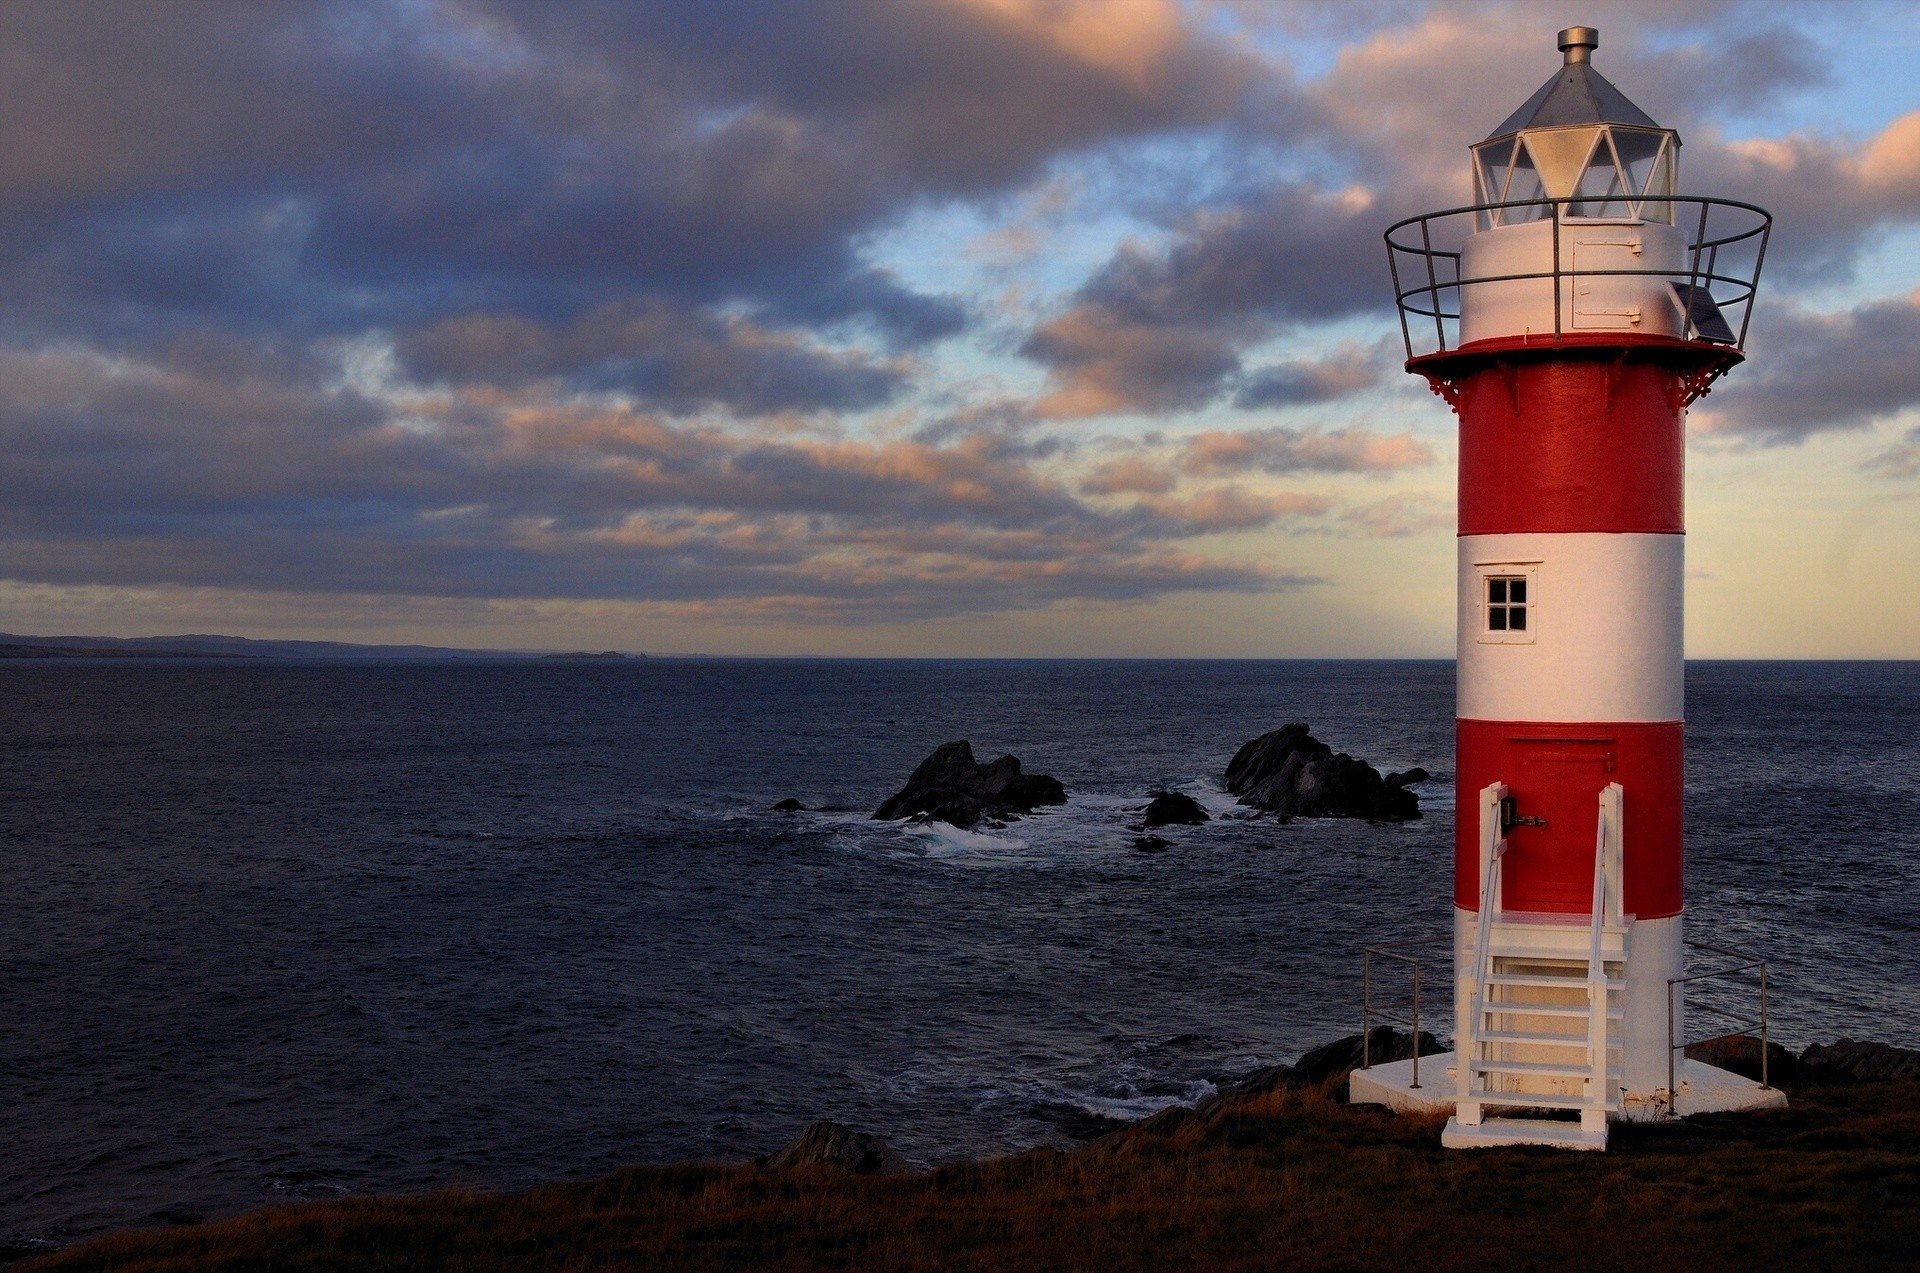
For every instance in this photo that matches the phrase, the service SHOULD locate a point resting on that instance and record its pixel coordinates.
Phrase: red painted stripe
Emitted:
(1584, 442)
(1556, 771)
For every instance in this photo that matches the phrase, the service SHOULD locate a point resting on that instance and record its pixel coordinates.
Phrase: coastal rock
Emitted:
(1343, 1056)
(1849, 1061)
(1407, 779)
(835, 1145)
(950, 786)
(1291, 773)
(1740, 1054)
(1324, 1064)
(1150, 844)
(1173, 809)
(789, 805)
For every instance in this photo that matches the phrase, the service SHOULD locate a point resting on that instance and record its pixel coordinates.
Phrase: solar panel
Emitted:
(1703, 315)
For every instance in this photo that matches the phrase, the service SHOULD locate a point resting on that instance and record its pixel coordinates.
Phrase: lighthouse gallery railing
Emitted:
(1723, 232)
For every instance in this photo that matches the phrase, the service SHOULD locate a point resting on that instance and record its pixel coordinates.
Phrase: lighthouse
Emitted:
(1569, 316)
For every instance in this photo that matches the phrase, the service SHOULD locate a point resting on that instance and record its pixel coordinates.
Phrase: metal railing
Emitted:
(1440, 266)
(1393, 951)
(1744, 963)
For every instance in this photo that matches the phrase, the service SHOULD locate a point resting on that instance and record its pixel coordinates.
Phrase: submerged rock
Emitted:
(835, 1145)
(950, 786)
(1151, 844)
(1291, 773)
(1173, 809)
(789, 805)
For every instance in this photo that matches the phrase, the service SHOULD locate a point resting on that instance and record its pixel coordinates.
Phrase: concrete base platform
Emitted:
(1703, 1090)
(1493, 1133)
(1391, 1084)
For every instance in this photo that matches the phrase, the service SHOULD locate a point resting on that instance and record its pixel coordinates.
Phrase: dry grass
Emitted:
(1289, 1180)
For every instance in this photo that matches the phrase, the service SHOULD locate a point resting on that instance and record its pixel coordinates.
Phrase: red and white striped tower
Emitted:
(1583, 296)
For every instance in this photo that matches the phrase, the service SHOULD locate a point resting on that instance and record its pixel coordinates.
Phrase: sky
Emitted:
(879, 327)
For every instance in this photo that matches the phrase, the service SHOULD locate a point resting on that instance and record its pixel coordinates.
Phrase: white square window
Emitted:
(1509, 597)
(1507, 603)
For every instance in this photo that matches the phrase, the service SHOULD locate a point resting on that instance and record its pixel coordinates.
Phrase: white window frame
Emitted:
(1526, 570)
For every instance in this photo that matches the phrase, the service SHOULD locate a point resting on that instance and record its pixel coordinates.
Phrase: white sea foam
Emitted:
(1132, 1107)
(947, 842)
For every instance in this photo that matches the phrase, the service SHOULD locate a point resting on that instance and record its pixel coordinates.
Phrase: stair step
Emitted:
(1556, 983)
(1552, 1069)
(1521, 1131)
(1548, 1010)
(1511, 948)
(1540, 1100)
(1534, 1038)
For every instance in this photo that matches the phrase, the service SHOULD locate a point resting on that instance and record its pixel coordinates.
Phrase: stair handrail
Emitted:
(1606, 847)
(1493, 847)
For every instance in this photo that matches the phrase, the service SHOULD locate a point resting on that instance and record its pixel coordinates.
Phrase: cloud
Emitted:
(1901, 460)
(569, 298)
(1309, 450)
(1132, 475)
(1399, 517)
(1349, 369)
(662, 354)
(1813, 372)
(1158, 331)
(236, 467)
(360, 163)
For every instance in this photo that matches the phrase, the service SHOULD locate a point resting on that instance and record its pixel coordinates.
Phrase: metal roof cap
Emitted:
(1577, 94)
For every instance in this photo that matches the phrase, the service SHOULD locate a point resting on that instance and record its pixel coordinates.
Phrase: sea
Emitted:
(278, 931)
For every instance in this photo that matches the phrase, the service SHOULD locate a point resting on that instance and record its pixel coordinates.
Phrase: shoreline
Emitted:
(1275, 1169)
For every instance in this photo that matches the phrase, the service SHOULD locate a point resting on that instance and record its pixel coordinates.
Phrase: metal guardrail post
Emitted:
(1555, 210)
(1415, 1085)
(1433, 285)
(1366, 1010)
(1760, 260)
(1393, 267)
(1395, 951)
(1764, 1084)
(1673, 1090)
(1748, 964)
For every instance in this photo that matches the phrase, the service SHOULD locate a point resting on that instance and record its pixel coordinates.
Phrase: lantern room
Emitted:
(1578, 138)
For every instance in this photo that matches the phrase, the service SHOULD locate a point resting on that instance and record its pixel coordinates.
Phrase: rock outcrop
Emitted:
(835, 1145)
(950, 786)
(1740, 1054)
(1290, 772)
(1851, 1062)
(1173, 809)
(1848, 1061)
(789, 805)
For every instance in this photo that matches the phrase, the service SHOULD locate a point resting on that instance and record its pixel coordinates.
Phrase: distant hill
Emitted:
(202, 646)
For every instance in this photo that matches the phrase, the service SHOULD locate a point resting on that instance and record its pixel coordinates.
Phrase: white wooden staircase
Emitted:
(1543, 1035)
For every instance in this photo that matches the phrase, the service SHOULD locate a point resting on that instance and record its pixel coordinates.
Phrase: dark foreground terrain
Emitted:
(1281, 1179)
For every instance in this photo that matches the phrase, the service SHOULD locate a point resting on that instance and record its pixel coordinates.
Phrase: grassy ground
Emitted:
(1283, 1180)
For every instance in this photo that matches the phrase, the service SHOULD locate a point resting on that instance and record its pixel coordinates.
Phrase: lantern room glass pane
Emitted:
(1561, 154)
(1524, 184)
(1659, 185)
(1490, 168)
(1638, 150)
(1601, 192)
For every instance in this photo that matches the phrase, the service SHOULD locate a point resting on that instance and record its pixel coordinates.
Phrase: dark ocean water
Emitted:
(282, 931)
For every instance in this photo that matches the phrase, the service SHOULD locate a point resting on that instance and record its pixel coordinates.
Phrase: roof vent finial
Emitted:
(1578, 43)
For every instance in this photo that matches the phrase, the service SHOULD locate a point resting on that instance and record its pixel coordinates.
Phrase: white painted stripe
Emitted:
(1643, 304)
(1604, 628)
